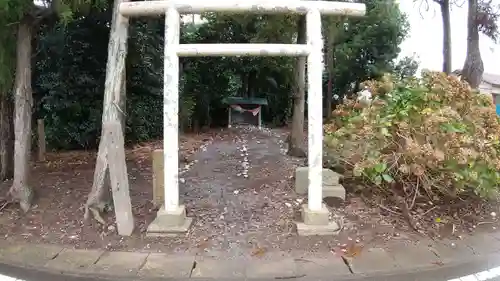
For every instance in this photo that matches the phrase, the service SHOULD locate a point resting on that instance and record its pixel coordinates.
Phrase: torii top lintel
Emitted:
(155, 8)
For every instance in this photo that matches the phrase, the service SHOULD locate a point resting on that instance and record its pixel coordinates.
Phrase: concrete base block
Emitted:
(316, 222)
(321, 217)
(171, 223)
(331, 186)
(331, 228)
(158, 181)
(336, 191)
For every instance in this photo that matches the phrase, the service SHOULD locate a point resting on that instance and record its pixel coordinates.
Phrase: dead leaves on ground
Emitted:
(259, 252)
(139, 153)
(350, 250)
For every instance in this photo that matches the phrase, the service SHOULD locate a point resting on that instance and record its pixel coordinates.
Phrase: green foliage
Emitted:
(69, 83)
(12, 12)
(434, 135)
(144, 80)
(67, 9)
(7, 59)
(366, 46)
(71, 59)
(487, 18)
(405, 68)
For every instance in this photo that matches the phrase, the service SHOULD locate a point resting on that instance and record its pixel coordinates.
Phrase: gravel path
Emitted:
(239, 191)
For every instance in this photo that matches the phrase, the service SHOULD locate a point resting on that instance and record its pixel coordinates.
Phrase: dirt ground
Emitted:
(238, 189)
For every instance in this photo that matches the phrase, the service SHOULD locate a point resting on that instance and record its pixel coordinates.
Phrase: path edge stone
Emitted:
(5, 258)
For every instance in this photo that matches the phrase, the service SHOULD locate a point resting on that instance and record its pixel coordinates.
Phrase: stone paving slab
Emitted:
(216, 268)
(318, 267)
(277, 268)
(164, 265)
(409, 255)
(448, 250)
(373, 260)
(398, 258)
(119, 263)
(482, 244)
(495, 234)
(74, 260)
(442, 273)
(28, 254)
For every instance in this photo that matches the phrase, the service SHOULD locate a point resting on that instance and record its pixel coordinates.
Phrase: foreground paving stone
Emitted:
(74, 260)
(163, 265)
(119, 263)
(448, 250)
(495, 234)
(267, 268)
(318, 267)
(491, 260)
(482, 244)
(32, 255)
(6, 251)
(408, 255)
(373, 260)
(215, 268)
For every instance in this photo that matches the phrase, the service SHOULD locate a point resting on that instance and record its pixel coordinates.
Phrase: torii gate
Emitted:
(171, 218)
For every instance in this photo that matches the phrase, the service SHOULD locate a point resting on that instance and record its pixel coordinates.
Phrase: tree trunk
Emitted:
(445, 16)
(20, 190)
(473, 69)
(296, 137)
(113, 111)
(6, 137)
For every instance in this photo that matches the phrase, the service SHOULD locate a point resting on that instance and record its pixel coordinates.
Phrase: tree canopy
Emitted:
(69, 62)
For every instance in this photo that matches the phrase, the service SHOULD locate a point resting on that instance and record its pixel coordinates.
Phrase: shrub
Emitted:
(432, 135)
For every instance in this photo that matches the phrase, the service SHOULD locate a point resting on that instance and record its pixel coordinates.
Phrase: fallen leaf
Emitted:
(259, 252)
(202, 245)
(439, 263)
(353, 250)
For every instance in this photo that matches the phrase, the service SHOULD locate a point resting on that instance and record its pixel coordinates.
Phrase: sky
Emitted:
(425, 39)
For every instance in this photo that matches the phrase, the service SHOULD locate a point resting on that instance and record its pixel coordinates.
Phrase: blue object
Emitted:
(498, 109)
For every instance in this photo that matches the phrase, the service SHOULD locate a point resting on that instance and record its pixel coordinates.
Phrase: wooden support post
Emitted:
(111, 155)
(119, 178)
(41, 140)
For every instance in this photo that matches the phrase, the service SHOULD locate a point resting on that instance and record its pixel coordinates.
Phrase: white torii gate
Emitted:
(171, 218)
